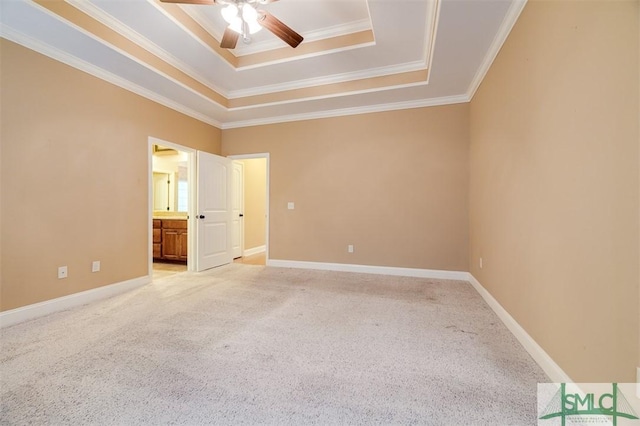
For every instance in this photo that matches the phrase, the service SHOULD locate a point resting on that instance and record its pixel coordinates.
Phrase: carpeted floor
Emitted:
(249, 344)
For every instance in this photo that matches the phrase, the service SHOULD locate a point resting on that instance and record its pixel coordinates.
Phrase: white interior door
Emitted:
(237, 214)
(213, 217)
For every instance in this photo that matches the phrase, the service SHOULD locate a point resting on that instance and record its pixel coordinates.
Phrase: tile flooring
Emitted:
(256, 259)
(166, 269)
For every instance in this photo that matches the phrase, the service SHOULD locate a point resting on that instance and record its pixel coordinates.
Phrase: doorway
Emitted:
(179, 203)
(171, 200)
(255, 208)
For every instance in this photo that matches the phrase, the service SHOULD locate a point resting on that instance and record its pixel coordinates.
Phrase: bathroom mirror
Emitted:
(163, 192)
(170, 181)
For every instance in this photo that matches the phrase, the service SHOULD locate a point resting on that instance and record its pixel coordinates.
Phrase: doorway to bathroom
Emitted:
(175, 243)
(171, 201)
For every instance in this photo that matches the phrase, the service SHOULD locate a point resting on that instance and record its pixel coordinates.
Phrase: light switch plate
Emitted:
(95, 266)
(290, 205)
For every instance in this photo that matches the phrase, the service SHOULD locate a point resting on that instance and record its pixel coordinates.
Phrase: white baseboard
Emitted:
(367, 269)
(25, 313)
(548, 365)
(254, 250)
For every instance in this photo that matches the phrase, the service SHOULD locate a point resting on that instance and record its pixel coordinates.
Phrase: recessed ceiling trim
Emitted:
(204, 34)
(447, 100)
(432, 23)
(342, 85)
(347, 88)
(306, 50)
(469, 36)
(127, 32)
(332, 79)
(109, 37)
(179, 17)
(72, 61)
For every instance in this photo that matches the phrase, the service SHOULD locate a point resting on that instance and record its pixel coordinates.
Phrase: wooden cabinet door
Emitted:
(183, 244)
(157, 251)
(174, 240)
(171, 244)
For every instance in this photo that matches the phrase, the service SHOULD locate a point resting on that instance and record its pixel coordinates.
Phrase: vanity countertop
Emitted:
(170, 217)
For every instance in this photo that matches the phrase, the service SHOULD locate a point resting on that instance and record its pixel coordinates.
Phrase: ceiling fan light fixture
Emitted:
(249, 13)
(254, 27)
(244, 19)
(230, 13)
(236, 25)
(250, 16)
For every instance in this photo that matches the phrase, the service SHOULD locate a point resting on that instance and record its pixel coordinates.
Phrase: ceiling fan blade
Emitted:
(208, 2)
(282, 31)
(266, 1)
(229, 39)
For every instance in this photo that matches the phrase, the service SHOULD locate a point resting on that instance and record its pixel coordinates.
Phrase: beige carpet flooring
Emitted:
(257, 345)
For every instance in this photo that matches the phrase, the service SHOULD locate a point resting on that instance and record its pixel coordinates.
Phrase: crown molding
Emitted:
(307, 55)
(430, 45)
(137, 38)
(205, 115)
(72, 61)
(332, 79)
(365, 24)
(328, 96)
(432, 18)
(510, 19)
(40, 4)
(447, 100)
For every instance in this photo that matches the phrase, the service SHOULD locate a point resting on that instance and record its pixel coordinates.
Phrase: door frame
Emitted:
(234, 163)
(191, 236)
(266, 156)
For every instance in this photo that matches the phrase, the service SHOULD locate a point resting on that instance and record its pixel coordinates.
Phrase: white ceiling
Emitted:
(358, 55)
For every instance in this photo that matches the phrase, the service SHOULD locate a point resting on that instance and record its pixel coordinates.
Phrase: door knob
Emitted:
(241, 215)
(201, 216)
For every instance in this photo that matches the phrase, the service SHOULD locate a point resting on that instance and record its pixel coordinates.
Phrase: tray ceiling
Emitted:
(357, 56)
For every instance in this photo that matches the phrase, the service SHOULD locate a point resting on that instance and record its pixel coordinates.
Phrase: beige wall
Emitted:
(554, 183)
(393, 184)
(75, 176)
(255, 202)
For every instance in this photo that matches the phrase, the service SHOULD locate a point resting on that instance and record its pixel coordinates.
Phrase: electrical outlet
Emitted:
(480, 263)
(62, 272)
(291, 205)
(350, 248)
(95, 266)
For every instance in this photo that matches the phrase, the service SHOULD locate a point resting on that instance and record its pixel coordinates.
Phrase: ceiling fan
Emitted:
(244, 19)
